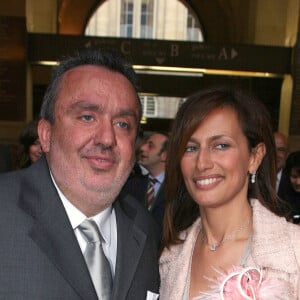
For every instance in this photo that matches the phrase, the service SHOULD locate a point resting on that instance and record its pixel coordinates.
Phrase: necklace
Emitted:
(230, 237)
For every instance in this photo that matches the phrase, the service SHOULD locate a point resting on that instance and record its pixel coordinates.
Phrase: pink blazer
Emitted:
(275, 247)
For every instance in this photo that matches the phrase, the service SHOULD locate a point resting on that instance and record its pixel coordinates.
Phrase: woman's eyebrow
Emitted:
(211, 138)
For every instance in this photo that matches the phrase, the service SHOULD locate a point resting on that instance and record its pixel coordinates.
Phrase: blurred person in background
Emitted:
(281, 144)
(148, 187)
(291, 190)
(30, 147)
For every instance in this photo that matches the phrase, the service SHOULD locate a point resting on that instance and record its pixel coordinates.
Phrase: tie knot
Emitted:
(90, 231)
(152, 180)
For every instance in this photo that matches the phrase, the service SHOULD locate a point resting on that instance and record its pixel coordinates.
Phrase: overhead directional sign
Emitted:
(255, 58)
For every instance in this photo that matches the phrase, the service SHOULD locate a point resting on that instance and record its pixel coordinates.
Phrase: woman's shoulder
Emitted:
(267, 223)
(275, 241)
(174, 263)
(294, 233)
(188, 238)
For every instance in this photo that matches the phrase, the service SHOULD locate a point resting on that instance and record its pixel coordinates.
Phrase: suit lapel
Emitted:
(144, 188)
(131, 243)
(52, 231)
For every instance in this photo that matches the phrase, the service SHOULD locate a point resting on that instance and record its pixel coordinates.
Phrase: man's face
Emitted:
(150, 156)
(281, 145)
(90, 146)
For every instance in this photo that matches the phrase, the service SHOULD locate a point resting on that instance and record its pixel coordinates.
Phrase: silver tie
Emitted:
(96, 260)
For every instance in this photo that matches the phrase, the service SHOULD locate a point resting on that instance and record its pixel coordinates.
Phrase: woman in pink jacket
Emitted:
(225, 234)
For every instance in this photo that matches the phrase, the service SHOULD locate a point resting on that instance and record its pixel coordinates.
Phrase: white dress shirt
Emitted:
(278, 178)
(107, 224)
(159, 181)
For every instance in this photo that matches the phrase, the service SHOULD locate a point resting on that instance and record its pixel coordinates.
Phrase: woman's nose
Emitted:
(204, 160)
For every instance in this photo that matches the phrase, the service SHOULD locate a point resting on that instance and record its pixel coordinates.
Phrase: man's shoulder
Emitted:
(132, 207)
(9, 180)
(22, 183)
(137, 213)
(33, 172)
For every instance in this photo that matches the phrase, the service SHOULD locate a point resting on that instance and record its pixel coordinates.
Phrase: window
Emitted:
(148, 19)
(193, 32)
(126, 28)
(149, 106)
(137, 18)
(146, 29)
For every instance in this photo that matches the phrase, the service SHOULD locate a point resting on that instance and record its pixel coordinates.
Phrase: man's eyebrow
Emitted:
(129, 113)
(85, 105)
(126, 112)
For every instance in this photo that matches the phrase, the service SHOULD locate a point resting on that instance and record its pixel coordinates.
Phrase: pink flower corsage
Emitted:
(245, 283)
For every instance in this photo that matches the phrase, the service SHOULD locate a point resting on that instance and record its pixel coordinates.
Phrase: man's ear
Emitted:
(163, 156)
(44, 132)
(257, 155)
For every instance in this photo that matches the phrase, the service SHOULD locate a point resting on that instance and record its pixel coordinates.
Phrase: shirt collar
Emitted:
(160, 178)
(76, 217)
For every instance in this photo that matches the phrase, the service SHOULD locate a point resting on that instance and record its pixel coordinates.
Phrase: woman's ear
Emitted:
(44, 132)
(257, 155)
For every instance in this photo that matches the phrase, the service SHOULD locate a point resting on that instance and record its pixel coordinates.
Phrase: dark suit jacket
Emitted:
(40, 257)
(6, 163)
(137, 185)
(282, 183)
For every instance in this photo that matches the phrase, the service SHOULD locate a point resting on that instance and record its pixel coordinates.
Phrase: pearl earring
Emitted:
(253, 177)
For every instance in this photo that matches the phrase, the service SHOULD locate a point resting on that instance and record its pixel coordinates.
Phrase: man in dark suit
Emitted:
(281, 144)
(152, 157)
(89, 122)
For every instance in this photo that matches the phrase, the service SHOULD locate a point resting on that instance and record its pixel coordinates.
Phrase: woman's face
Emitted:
(295, 179)
(217, 161)
(35, 151)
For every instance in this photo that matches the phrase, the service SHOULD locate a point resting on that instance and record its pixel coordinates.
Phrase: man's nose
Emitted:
(105, 134)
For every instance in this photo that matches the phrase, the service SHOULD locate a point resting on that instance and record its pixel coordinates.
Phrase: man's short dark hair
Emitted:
(110, 60)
